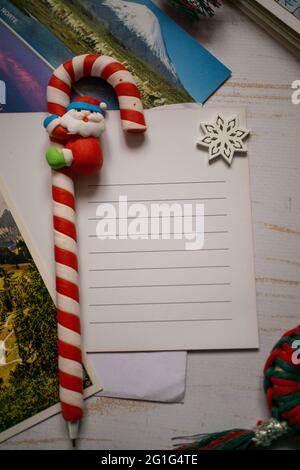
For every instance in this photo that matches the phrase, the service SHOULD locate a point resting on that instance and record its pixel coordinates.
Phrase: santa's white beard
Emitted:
(73, 122)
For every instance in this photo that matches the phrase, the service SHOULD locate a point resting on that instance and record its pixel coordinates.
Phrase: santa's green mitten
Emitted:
(56, 158)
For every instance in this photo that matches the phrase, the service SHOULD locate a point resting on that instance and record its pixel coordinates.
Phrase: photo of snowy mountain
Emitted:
(9, 233)
(138, 29)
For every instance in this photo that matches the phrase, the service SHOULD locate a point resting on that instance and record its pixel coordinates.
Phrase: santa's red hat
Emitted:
(87, 103)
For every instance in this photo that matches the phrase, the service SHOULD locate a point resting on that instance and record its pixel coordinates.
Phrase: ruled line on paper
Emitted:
(161, 200)
(156, 217)
(160, 321)
(156, 183)
(164, 285)
(157, 267)
(91, 235)
(164, 303)
(154, 251)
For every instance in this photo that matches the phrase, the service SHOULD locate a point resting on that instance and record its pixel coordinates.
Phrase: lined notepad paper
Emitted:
(154, 294)
(147, 294)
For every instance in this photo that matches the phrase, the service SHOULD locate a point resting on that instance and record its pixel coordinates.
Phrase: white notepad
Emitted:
(152, 294)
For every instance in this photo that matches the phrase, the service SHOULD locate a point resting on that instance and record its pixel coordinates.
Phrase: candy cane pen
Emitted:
(76, 126)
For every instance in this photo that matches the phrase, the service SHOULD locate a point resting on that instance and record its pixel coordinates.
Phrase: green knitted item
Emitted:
(197, 8)
(282, 388)
(233, 439)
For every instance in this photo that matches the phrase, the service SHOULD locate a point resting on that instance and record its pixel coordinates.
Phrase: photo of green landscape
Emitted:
(82, 28)
(28, 353)
(28, 331)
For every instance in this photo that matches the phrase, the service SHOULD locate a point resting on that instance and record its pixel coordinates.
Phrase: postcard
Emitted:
(28, 337)
(137, 33)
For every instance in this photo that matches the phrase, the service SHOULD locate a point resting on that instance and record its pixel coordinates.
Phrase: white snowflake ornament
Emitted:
(223, 138)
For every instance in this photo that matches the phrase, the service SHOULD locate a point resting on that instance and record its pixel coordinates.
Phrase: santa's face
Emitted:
(84, 123)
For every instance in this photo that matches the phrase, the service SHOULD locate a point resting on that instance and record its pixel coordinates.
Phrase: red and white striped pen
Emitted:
(75, 128)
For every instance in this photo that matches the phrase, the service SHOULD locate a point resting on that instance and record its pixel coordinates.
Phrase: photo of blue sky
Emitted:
(24, 73)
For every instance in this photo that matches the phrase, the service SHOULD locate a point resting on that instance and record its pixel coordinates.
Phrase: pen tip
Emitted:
(73, 432)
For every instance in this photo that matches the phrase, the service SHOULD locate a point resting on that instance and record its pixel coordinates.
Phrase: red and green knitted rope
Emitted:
(282, 388)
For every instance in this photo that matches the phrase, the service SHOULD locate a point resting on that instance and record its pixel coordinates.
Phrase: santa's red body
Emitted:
(87, 152)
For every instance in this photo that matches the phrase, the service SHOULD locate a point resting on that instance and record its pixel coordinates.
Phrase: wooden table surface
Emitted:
(224, 389)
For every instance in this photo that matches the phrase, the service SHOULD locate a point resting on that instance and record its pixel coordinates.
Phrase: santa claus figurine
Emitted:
(78, 130)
